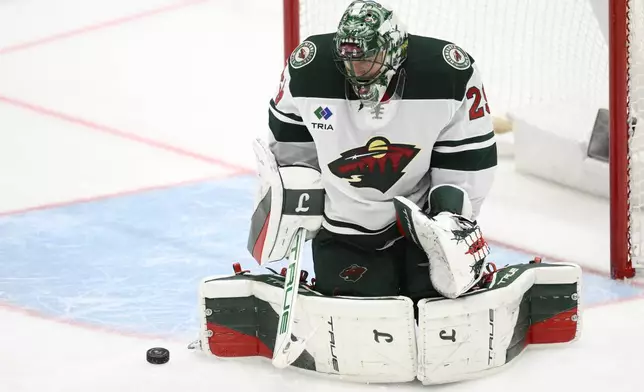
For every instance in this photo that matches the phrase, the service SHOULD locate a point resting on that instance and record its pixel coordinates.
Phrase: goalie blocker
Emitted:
(375, 339)
(289, 198)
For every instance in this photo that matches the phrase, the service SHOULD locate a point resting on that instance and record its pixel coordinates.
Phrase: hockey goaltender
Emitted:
(381, 151)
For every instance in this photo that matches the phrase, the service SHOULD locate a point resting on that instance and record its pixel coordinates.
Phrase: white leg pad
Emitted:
(358, 339)
(470, 336)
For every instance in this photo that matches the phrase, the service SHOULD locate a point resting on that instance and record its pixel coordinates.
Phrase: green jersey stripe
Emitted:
(468, 160)
(293, 117)
(287, 132)
(469, 140)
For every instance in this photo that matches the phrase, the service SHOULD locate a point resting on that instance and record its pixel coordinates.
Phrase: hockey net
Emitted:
(628, 165)
(533, 52)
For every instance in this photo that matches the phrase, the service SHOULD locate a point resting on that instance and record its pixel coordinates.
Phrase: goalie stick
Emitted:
(287, 347)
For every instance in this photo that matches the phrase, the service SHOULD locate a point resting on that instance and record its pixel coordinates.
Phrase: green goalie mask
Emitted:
(370, 44)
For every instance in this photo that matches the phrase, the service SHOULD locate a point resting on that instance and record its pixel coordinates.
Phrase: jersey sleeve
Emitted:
(289, 138)
(465, 152)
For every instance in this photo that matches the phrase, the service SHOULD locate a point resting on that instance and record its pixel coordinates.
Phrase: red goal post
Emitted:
(606, 41)
(624, 244)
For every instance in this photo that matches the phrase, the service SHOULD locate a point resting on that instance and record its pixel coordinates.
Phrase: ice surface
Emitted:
(40, 354)
(199, 79)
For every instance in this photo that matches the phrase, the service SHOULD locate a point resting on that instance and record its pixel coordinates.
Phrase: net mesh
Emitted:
(636, 139)
(529, 51)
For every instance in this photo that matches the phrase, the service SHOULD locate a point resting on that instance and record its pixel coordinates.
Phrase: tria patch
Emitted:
(324, 115)
(456, 57)
(303, 54)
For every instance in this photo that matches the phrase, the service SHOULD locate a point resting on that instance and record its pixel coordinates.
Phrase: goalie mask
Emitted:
(369, 46)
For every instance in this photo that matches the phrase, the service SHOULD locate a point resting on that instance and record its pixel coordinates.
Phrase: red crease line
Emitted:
(115, 194)
(590, 270)
(84, 325)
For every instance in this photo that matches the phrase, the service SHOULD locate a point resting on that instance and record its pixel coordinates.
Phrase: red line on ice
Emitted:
(115, 194)
(122, 134)
(99, 26)
(80, 324)
(556, 259)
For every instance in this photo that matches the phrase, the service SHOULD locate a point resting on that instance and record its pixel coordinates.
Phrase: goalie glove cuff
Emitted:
(449, 198)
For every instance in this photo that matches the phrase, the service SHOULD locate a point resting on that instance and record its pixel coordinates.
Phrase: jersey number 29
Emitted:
(476, 110)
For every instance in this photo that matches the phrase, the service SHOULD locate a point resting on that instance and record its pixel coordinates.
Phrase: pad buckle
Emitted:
(304, 275)
(238, 269)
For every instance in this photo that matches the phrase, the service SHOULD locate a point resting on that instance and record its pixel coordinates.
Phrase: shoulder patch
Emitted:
(456, 57)
(303, 54)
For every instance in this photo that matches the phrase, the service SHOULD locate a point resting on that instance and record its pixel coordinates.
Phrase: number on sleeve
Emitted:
(476, 110)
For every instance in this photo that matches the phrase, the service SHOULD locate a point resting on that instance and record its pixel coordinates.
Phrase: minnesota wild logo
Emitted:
(456, 57)
(379, 164)
(303, 54)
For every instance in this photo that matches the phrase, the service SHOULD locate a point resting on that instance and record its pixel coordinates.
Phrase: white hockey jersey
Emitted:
(436, 129)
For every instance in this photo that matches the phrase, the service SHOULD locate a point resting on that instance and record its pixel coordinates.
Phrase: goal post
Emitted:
(291, 16)
(541, 54)
(620, 212)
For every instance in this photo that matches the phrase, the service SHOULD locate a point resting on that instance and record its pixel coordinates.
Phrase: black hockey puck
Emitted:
(158, 355)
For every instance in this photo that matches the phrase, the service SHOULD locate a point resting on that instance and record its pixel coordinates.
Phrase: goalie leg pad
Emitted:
(359, 339)
(482, 331)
